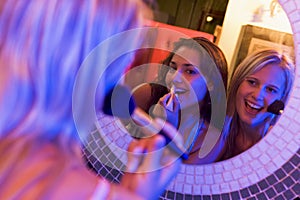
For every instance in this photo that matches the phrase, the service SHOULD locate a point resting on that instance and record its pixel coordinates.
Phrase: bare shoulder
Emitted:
(209, 147)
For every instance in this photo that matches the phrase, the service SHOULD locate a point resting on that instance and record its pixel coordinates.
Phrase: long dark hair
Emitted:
(217, 57)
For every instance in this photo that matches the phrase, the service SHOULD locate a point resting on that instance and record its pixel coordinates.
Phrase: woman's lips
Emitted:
(252, 108)
(179, 91)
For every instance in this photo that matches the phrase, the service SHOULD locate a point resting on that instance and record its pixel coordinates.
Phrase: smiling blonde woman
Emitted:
(263, 77)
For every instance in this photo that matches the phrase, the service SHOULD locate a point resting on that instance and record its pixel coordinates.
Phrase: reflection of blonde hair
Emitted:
(42, 45)
(251, 64)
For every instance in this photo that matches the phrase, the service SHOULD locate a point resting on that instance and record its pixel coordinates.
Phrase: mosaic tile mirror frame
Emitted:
(269, 170)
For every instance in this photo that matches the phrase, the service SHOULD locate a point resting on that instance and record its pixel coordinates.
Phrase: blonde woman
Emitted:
(42, 46)
(263, 77)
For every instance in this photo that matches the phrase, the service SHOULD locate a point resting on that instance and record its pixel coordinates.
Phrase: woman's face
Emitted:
(257, 92)
(185, 77)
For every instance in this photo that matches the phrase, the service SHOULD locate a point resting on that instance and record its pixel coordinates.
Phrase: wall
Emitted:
(189, 13)
(239, 14)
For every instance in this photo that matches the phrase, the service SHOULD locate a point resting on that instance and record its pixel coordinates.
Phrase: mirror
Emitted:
(244, 30)
(269, 169)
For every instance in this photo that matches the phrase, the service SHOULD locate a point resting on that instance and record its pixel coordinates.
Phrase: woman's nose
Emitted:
(259, 93)
(177, 77)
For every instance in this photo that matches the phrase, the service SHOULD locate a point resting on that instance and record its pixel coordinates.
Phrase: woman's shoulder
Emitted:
(209, 147)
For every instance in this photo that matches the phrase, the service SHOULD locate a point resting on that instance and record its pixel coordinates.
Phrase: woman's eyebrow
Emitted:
(252, 78)
(277, 87)
(189, 65)
(269, 84)
(184, 65)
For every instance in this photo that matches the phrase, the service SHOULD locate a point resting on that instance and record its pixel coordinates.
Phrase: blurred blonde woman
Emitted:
(263, 77)
(42, 46)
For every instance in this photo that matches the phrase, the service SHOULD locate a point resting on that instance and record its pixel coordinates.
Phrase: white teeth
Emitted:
(179, 91)
(176, 91)
(253, 105)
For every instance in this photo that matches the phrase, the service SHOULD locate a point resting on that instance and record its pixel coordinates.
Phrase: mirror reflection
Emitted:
(231, 39)
(252, 88)
(262, 78)
(192, 76)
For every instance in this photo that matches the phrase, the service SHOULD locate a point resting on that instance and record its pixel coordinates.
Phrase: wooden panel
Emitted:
(184, 13)
(266, 38)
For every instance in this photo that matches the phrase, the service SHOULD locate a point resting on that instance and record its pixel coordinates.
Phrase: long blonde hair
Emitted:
(251, 64)
(42, 46)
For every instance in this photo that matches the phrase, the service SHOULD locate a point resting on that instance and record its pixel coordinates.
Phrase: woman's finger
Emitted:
(152, 160)
(163, 100)
(135, 155)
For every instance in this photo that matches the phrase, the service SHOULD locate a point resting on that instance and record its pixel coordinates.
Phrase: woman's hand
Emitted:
(151, 165)
(168, 108)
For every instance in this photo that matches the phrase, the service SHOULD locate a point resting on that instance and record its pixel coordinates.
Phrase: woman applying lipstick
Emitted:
(193, 70)
(263, 77)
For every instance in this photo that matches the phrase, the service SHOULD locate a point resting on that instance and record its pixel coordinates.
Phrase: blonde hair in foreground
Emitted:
(42, 45)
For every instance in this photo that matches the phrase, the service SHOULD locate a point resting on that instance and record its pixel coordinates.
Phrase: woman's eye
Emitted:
(272, 90)
(191, 71)
(172, 69)
(251, 82)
